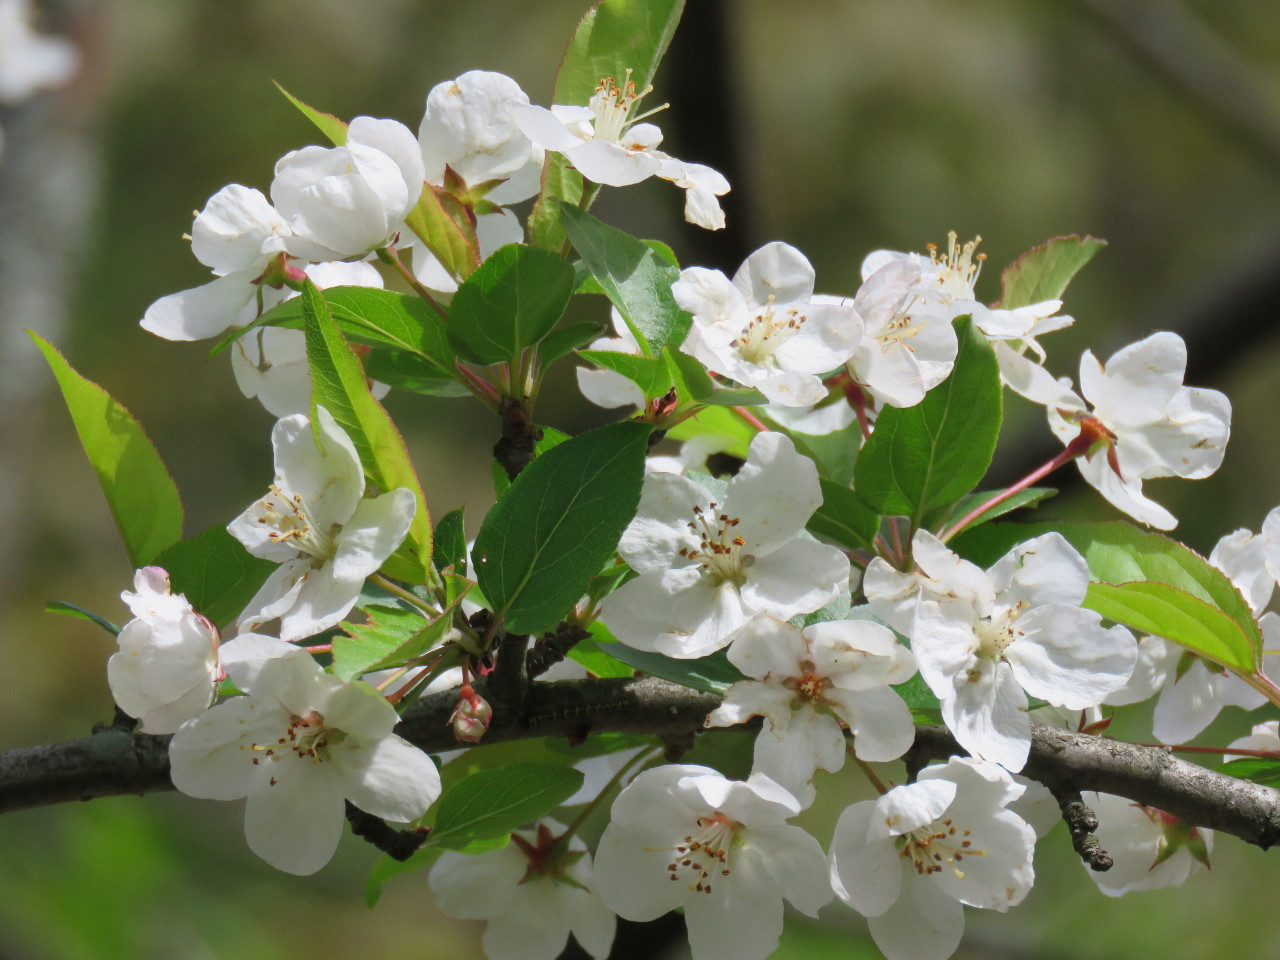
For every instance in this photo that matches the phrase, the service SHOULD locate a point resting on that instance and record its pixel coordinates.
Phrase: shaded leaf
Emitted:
(710, 674)
(1043, 272)
(216, 573)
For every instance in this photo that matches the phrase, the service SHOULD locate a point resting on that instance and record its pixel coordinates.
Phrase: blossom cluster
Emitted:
(839, 641)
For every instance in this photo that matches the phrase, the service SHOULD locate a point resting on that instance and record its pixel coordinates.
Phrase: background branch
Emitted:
(115, 763)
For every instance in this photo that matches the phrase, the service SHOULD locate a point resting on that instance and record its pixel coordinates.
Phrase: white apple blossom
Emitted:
(984, 641)
(1193, 690)
(237, 235)
(707, 564)
(532, 894)
(270, 363)
(30, 61)
(315, 522)
(1149, 848)
(167, 669)
(806, 684)
(344, 202)
(909, 860)
(607, 388)
(1143, 423)
(765, 329)
(299, 744)
(607, 145)
(684, 836)
(1262, 736)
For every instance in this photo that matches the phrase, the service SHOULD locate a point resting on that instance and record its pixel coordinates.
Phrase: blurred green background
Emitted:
(844, 127)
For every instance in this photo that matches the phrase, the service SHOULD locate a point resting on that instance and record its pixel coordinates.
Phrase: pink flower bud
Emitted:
(471, 717)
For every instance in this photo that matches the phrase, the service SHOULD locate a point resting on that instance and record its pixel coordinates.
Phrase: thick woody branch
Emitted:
(114, 763)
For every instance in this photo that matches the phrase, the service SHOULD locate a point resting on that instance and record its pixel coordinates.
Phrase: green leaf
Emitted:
(377, 318)
(511, 302)
(710, 674)
(329, 125)
(1258, 769)
(558, 524)
(404, 371)
(1028, 497)
(694, 384)
(635, 278)
(588, 654)
(140, 492)
(717, 422)
(613, 37)
(1168, 612)
(338, 384)
(450, 546)
(835, 453)
(930, 455)
(216, 573)
(561, 187)
(844, 518)
(448, 230)
(492, 803)
(1120, 553)
(650, 374)
(73, 610)
(392, 636)
(551, 438)
(560, 343)
(1043, 272)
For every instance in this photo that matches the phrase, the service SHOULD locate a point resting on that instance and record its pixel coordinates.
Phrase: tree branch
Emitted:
(114, 763)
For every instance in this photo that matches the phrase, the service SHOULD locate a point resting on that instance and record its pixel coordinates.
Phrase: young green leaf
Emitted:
(844, 518)
(1028, 497)
(560, 343)
(140, 492)
(216, 573)
(511, 302)
(391, 636)
(930, 455)
(328, 124)
(719, 422)
(1258, 769)
(650, 374)
(635, 278)
(558, 524)
(450, 546)
(448, 231)
(710, 674)
(561, 187)
(492, 803)
(1043, 272)
(338, 385)
(405, 371)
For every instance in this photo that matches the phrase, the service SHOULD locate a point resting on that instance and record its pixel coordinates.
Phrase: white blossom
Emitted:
(30, 61)
(299, 744)
(167, 669)
(684, 836)
(707, 564)
(606, 144)
(270, 363)
(1262, 736)
(531, 898)
(237, 236)
(315, 522)
(344, 202)
(984, 641)
(908, 861)
(765, 329)
(1143, 423)
(1149, 849)
(806, 683)
(607, 388)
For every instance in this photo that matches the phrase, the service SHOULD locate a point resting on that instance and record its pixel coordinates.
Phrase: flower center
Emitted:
(996, 632)
(306, 738)
(704, 854)
(809, 686)
(933, 847)
(719, 550)
(291, 524)
(768, 329)
(613, 105)
(958, 268)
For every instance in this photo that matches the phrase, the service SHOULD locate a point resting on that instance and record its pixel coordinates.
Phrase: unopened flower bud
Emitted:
(471, 717)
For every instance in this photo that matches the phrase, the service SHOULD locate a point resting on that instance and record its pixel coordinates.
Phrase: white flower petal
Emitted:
(296, 824)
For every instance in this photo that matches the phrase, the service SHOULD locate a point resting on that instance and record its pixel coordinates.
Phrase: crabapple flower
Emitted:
(237, 235)
(706, 565)
(805, 684)
(315, 523)
(532, 892)
(985, 641)
(30, 61)
(1150, 848)
(344, 202)
(608, 388)
(167, 669)
(684, 836)
(1262, 736)
(908, 861)
(607, 146)
(299, 744)
(764, 329)
(1143, 423)
(270, 363)
(1193, 690)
